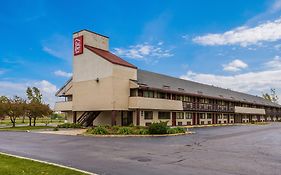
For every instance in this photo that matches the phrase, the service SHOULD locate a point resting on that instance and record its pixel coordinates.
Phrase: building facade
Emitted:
(107, 90)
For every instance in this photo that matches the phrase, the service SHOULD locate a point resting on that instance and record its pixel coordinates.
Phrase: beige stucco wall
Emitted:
(155, 119)
(63, 106)
(93, 39)
(89, 66)
(110, 92)
(154, 103)
(246, 110)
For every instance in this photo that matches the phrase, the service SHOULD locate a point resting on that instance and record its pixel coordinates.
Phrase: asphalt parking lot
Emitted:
(217, 150)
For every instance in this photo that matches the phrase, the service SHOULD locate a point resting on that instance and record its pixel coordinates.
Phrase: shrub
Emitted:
(70, 125)
(141, 132)
(171, 131)
(56, 129)
(98, 130)
(180, 130)
(158, 128)
(125, 131)
(176, 130)
(115, 128)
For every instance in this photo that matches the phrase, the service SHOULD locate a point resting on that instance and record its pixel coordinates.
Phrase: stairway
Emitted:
(88, 117)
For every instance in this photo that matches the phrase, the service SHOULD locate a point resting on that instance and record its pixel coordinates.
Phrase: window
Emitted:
(202, 100)
(133, 92)
(225, 116)
(202, 122)
(188, 115)
(202, 116)
(179, 123)
(148, 94)
(209, 122)
(140, 93)
(180, 115)
(179, 97)
(163, 115)
(188, 123)
(147, 124)
(209, 116)
(161, 95)
(187, 98)
(148, 115)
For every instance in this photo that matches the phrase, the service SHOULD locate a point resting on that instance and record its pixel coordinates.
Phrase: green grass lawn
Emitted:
(16, 166)
(25, 128)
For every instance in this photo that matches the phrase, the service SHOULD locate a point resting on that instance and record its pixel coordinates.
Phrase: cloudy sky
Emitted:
(232, 44)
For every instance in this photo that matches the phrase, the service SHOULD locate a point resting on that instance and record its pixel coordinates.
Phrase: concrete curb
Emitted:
(48, 163)
(218, 125)
(162, 135)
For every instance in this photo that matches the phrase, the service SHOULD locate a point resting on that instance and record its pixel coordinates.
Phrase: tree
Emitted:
(272, 96)
(3, 106)
(35, 107)
(15, 108)
(37, 110)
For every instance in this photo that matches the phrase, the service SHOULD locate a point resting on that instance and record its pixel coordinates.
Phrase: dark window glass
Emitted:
(163, 115)
(180, 115)
(133, 92)
(148, 115)
(147, 124)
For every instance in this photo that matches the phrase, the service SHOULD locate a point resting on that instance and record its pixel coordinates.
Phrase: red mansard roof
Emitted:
(110, 57)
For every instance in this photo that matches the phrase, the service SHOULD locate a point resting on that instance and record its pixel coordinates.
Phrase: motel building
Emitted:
(107, 90)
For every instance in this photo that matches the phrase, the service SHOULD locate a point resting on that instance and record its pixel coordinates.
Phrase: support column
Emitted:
(174, 118)
(138, 117)
(228, 121)
(113, 118)
(194, 119)
(74, 116)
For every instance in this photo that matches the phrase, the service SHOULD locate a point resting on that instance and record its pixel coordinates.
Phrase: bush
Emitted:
(70, 125)
(171, 131)
(125, 130)
(56, 129)
(176, 130)
(158, 128)
(141, 132)
(98, 130)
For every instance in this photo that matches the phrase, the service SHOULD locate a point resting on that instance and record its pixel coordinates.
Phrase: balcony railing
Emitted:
(63, 106)
(207, 107)
(272, 112)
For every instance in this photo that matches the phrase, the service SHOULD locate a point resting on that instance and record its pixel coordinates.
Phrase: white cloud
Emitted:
(144, 51)
(244, 36)
(235, 65)
(275, 63)
(61, 73)
(58, 46)
(251, 82)
(47, 89)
